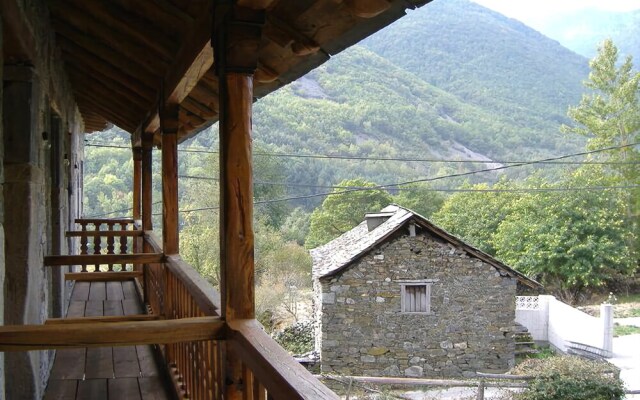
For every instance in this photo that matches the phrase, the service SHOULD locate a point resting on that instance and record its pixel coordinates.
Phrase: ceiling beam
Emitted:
(113, 74)
(63, 13)
(188, 64)
(161, 13)
(129, 25)
(118, 63)
(93, 78)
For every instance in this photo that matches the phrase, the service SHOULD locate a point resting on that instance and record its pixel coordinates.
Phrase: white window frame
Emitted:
(426, 283)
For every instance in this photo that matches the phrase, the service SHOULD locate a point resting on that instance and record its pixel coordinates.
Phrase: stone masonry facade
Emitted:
(469, 327)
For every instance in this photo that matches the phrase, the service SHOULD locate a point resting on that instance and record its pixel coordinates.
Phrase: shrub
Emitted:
(297, 338)
(570, 378)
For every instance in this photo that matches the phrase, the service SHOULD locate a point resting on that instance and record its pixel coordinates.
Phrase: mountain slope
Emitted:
(486, 59)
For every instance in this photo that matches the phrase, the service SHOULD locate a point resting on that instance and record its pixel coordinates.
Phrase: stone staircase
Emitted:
(524, 342)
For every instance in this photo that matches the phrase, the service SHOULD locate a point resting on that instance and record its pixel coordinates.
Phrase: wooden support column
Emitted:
(146, 180)
(237, 38)
(169, 128)
(137, 182)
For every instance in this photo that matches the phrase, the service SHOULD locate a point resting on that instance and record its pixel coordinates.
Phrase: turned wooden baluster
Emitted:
(123, 244)
(84, 243)
(110, 243)
(97, 245)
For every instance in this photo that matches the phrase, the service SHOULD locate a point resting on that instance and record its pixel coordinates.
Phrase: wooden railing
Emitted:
(100, 236)
(175, 290)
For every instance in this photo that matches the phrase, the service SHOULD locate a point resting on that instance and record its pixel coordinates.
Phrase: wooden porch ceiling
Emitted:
(120, 53)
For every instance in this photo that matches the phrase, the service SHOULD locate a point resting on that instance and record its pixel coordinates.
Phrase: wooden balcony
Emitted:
(143, 325)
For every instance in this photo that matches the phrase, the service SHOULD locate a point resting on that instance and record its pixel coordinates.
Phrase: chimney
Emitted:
(374, 220)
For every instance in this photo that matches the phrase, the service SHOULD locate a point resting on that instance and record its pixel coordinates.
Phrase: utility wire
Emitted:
(399, 159)
(395, 185)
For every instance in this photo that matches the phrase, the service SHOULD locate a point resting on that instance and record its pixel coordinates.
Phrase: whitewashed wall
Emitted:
(553, 321)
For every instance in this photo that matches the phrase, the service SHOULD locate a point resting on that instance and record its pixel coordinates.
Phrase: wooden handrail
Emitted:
(103, 319)
(104, 220)
(280, 374)
(102, 233)
(78, 335)
(201, 291)
(93, 259)
(152, 239)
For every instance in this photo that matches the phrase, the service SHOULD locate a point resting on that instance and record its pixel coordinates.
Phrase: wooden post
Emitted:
(169, 128)
(236, 37)
(137, 182)
(147, 198)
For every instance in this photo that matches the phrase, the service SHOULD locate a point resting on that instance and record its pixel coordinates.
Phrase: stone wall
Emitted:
(469, 328)
(35, 88)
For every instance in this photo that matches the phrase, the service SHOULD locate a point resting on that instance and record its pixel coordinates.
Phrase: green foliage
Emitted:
(569, 241)
(569, 378)
(623, 330)
(420, 199)
(296, 339)
(345, 209)
(609, 115)
(475, 216)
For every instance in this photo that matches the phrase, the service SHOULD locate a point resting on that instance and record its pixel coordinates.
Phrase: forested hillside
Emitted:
(417, 108)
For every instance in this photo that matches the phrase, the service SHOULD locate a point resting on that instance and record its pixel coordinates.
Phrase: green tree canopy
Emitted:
(344, 209)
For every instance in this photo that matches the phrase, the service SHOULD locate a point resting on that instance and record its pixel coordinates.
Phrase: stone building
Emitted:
(398, 296)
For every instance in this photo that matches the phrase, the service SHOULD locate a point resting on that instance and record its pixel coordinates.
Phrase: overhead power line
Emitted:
(396, 185)
(395, 159)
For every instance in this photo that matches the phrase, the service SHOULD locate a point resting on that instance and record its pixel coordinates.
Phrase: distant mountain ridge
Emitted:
(583, 31)
(451, 80)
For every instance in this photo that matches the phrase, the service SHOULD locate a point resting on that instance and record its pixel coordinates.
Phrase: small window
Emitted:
(416, 298)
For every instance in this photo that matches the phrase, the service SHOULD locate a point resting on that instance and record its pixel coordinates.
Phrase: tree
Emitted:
(568, 240)
(420, 199)
(609, 115)
(475, 216)
(344, 209)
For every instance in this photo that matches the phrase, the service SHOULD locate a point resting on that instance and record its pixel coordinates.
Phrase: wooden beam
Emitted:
(282, 376)
(238, 34)
(113, 113)
(195, 43)
(169, 126)
(91, 78)
(65, 12)
(199, 67)
(130, 25)
(147, 189)
(162, 13)
(197, 108)
(104, 233)
(110, 105)
(102, 276)
(137, 182)
(109, 334)
(98, 259)
(104, 220)
(18, 40)
(109, 73)
(201, 291)
(101, 320)
(236, 189)
(143, 66)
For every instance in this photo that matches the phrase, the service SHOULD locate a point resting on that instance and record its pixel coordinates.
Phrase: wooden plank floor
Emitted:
(106, 373)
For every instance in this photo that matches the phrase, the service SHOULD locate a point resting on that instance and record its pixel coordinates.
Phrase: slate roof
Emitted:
(341, 252)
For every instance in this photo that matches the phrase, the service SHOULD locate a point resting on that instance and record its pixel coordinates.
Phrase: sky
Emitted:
(535, 12)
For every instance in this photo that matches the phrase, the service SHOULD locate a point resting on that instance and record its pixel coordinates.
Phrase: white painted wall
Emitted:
(548, 319)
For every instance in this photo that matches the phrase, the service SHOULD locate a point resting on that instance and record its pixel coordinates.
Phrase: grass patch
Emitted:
(623, 330)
